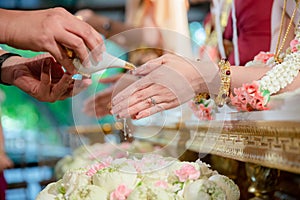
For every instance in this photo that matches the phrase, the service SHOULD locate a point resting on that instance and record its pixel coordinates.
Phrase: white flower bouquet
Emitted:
(90, 154)
(152, 177)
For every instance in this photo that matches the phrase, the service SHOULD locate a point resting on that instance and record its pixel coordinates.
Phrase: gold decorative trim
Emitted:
(274, 144)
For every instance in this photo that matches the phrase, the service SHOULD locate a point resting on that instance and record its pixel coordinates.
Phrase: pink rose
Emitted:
(294, 49)
(202, 112)
(187, 172)
(294, 43)
(121, 193)
(248, 98)
(263, 56)
(251, 88)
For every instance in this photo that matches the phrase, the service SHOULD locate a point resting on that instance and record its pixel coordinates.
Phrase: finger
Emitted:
(135, 109)
(131, 89)
(60, 88)
(61, 56)
(146, 103)
(149, 66)
(56, 69)
(44, 88)
(130, 100)
(76, 44)
(155, 109)
(96, 53)
(90, 36)
(101, 99)
(57, 72)
(99, 103)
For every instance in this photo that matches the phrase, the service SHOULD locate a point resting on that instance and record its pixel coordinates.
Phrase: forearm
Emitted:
(240, 75)
(7, 19)
(208, 77)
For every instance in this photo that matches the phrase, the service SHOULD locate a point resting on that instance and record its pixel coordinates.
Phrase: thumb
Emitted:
(45, 76)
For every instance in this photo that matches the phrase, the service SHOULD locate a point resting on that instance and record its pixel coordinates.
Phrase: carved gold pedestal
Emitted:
(263, 181)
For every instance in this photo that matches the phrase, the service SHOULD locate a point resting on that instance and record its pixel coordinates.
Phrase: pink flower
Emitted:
(294, 43)
(263, 56)
(294, 49)
(187, 172)
(248, 98)
(121, 193)
(162, 184)
(202, 112)
(251, 88)
(96, 167)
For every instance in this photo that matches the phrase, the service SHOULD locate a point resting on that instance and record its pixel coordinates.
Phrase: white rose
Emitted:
(47, 194)
(89, 192)
(231, 189)
(204, 190)
(142, 147)
(60, 165)
(109, 179)
(74, 179)
(145, 192)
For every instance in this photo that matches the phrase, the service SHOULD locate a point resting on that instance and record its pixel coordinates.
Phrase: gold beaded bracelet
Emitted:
(224, 91)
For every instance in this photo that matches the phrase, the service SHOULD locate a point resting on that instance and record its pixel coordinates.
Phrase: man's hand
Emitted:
(41, 77)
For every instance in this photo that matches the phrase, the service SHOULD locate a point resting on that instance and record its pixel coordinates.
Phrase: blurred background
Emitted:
(36, 133)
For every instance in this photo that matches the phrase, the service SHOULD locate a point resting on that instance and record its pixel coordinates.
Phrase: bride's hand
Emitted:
(170, 81)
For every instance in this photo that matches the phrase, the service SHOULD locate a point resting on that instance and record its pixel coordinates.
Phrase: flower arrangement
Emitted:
(256, 95)
(90, 154)
(149, 178)
(250, 98)
(203, 108)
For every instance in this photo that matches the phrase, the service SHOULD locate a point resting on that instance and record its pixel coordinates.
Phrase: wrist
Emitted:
(207, 79)
(8, 61)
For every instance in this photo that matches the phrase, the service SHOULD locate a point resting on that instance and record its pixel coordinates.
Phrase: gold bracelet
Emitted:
(224, 91)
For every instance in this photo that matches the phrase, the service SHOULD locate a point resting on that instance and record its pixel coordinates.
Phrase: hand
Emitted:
(168, 82)
(41, 77)
(5, 162)
(100, 104)
(51, 30)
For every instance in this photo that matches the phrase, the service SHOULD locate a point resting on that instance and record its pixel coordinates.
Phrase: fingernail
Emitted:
(138, 116)
(142, 115)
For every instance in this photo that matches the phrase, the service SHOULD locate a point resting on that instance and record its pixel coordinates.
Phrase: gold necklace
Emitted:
(279, 49)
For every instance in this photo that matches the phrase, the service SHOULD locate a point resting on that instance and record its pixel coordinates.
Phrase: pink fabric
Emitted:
(253, 27)
(3, 186)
